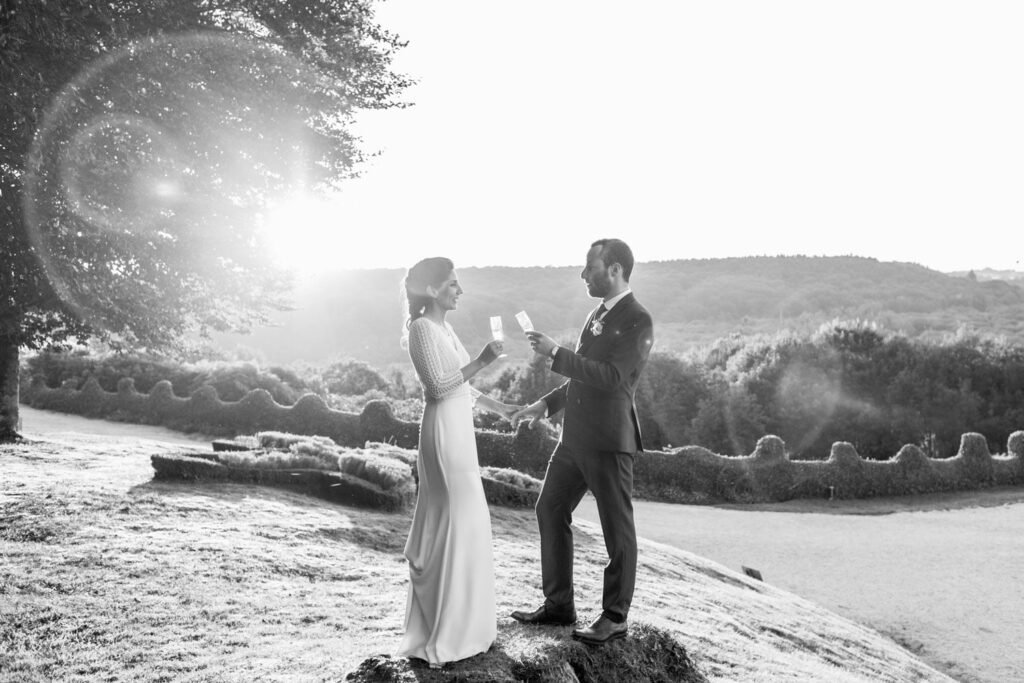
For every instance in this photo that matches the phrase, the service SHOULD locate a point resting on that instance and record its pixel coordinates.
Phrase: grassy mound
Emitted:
(112, 574)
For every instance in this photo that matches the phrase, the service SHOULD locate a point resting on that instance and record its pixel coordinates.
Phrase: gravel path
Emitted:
(939, 575)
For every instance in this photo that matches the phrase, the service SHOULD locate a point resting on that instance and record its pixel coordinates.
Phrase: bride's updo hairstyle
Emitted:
(428, 272)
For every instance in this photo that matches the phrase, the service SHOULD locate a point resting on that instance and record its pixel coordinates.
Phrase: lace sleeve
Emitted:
(474, 393)
(426, 358)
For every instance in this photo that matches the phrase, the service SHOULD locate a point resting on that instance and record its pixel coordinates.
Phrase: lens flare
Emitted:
(122, 173)
(158, 158)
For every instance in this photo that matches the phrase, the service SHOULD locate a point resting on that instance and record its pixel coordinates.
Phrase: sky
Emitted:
(888, 129)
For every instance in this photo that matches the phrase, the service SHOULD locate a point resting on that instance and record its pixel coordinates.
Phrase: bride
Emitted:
(450, 613)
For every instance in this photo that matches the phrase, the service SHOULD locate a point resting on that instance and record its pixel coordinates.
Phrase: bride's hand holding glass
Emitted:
(490, 352)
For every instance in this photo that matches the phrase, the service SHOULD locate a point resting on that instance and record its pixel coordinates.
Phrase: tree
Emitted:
(351, 377)
(142, 139)
(530, 381)
(729, 421)
(668, 398)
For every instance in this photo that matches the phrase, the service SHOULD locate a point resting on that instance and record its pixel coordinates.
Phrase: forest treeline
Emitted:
(358, 313)
(846, 381)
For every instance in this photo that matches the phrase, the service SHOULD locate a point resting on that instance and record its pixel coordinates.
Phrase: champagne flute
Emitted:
(524, 321)
(497, 333)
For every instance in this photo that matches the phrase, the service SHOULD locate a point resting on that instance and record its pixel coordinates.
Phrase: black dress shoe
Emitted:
(543, 615)
(600, 632)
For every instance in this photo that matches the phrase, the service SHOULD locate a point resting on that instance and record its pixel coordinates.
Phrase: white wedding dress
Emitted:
(450, 614)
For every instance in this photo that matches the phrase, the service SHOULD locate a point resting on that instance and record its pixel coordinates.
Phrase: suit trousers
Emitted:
(609, 477)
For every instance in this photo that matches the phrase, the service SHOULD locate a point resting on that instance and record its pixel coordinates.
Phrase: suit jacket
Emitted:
(603, 372)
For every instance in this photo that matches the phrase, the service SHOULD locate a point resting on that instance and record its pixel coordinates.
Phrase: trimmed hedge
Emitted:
(685, 475)
(232, 379)
(337, 487)
(203, 412)
(696, 475)
(509, 488)
(380, 476)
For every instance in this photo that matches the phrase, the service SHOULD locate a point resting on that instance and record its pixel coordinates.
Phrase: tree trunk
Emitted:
(8, 392)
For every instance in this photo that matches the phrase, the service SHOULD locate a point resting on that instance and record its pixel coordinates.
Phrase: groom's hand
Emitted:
(532, 412)
(541, 343)
(508, 411)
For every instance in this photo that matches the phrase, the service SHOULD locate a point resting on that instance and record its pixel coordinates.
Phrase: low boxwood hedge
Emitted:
(683, 475)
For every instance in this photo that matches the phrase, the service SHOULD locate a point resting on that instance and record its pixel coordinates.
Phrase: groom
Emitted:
(600, 436)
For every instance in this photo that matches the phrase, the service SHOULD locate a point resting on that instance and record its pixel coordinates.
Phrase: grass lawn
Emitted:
(107, 575)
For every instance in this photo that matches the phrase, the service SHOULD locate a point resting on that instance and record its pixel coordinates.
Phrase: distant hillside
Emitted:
(358, 313)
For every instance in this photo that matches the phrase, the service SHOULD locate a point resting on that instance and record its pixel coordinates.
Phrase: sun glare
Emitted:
(305, 234)
(312, 235)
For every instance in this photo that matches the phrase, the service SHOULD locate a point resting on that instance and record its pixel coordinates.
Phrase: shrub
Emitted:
(334, 486)
(407, 410)
(274, 460)
(320, 449)
(499, 493)
(511, 477)
(388, 450)
(235, 380)
(491, 421)
(386, 472)
(528, 383)
(729, 420)
(231, 379)
(503, 486)
(315, 446)
(668, 398)
(271, 439)
(350, 377)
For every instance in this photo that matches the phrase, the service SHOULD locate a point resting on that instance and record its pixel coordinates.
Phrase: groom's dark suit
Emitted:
(600, 436)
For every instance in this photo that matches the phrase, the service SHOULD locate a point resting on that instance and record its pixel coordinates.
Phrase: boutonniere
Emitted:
(596, 327)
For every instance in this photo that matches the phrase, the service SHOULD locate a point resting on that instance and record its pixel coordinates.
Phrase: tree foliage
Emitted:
(142, 141)
(847, 382)
(352, 377)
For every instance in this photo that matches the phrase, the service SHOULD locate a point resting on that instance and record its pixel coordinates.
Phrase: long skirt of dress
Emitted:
(450, 614)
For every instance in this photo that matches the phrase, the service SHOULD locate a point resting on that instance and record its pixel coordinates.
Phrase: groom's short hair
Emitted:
(616, 251)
